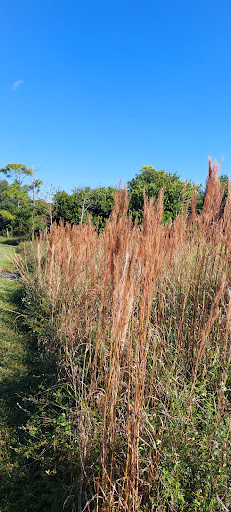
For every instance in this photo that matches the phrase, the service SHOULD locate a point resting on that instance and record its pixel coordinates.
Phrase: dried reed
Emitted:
(141, 317)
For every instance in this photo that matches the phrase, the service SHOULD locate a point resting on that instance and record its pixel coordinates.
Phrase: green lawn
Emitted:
(6, 255)
(24, 484)
(11, 361)
(10, 340)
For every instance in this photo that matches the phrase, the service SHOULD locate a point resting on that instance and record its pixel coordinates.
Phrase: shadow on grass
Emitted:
(32, 472)
(12, 241)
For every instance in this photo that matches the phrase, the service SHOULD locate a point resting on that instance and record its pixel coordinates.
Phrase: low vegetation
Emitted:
(25, 373)
(136, 320)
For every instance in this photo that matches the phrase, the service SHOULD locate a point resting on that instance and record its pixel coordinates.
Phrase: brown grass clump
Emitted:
(141, 321)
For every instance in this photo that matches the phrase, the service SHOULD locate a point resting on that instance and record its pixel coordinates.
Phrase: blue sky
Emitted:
(92, 90)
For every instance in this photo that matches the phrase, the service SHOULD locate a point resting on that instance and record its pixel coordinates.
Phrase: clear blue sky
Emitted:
(92, 90)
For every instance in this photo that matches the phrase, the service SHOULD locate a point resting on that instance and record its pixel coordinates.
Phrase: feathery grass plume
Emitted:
(140, 319)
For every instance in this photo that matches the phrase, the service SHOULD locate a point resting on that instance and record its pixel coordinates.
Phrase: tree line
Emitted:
(25, 211)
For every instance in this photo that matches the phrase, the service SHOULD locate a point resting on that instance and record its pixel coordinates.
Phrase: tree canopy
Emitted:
(18, 197)
(151, 182)
(17, 172)
(28, 213)
(83, 202)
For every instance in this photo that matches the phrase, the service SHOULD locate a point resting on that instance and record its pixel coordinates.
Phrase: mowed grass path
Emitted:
(11, 346)
(12, 369)
(25, 485)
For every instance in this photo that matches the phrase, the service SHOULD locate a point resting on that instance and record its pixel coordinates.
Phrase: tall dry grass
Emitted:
(141, 319)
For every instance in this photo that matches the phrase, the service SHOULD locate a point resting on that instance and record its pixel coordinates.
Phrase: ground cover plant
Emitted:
(139, 318)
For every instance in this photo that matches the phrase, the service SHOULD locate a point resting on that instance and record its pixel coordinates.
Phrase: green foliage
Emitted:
(224, 179)
(63, 207)
(42, 214)
(6, 219)
(83, 202)
(17, 172)
(5, 201)
(151, 182)
(192, 469)
(17, 203)
(26, 214)
(33, 216)
(6, 254)
(98, 202)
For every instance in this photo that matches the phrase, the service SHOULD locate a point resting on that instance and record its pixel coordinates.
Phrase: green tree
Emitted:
(20, 196)
(34, 188)
(10, 197)
(5, 201)
(83, 202)
(6, 220)
(17, 172)
(150, 181)
(103, 200)
(224, 179)
(83, 199)
(63, 207)
(41, 216)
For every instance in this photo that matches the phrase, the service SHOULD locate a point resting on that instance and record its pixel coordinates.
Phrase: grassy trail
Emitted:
(24, 484)
(11, 346)
(13, 371)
